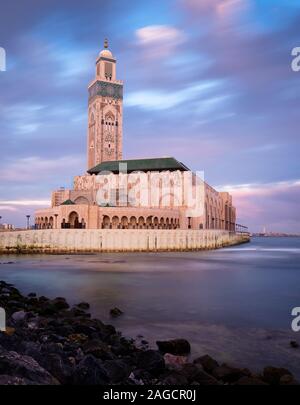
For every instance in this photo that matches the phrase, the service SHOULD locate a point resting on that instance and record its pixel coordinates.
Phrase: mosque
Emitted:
(144, 193)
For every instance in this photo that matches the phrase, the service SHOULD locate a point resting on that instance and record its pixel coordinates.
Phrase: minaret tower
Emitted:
(105, 111)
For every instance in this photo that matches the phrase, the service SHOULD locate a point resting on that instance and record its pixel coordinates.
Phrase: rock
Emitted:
(272, 375)
(117, 370)
(15, 305)
(174, 378)
(79, 338)
(190, 370)
(51, 347)
(98, 349)
(151, 360)
(90, 371)
(48, 309)
(175, 346)
(51, 344)
(79, 313)
(207, 362)
(114, 312)
(19, 316)
(61, 368)
(228, 374)
(10, 380)
(294, 344)
(203, 378)
(42, 299)
(17, 365)
(60, 303)
(174, 361)
(32, 349)
(250, 381)
(288, 379)
(135, 381)
(83, 305)
(142, 377)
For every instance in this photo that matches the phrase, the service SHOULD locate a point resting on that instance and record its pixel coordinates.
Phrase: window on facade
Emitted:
(108, 70)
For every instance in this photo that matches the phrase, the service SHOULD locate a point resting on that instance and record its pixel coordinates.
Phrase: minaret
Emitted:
(105, 111)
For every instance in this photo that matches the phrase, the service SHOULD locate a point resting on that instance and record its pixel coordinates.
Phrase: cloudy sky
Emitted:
(207, 81)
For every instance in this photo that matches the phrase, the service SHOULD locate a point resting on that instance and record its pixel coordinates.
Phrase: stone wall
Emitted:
(110, 240)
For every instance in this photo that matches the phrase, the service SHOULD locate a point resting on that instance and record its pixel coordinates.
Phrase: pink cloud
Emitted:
(275, 205)
(159, 40)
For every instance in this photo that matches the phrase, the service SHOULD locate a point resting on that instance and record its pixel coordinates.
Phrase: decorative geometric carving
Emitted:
(105, 89)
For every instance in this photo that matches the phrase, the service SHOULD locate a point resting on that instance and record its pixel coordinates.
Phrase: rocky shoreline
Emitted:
(47, 342)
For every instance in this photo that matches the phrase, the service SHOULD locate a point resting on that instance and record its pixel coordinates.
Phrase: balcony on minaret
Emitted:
(106, 67)
(105, 95)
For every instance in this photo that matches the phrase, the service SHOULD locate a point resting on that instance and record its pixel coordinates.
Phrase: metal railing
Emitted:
(241, 229)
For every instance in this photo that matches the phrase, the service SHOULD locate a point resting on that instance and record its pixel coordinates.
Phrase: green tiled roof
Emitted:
(68, 202)
(145, 165)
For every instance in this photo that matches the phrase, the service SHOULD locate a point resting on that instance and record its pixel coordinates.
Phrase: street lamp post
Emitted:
(28, 218)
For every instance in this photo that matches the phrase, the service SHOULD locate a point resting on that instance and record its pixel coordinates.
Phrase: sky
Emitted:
(206, 81)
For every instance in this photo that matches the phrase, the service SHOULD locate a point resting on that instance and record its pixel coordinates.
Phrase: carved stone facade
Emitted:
(151, 194)
(105, 112)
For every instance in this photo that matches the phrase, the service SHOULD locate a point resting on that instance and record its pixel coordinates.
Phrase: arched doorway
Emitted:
(74, 220)
(115, 222)
(132, 222)
(51, 222)
(141, 222)
(106, 222)
(124, 222)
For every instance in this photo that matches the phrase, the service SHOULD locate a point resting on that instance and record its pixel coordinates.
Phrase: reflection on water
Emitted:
(234, 303)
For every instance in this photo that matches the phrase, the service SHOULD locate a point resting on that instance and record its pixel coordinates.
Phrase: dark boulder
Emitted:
(294, 344)
(12, 363)
(228, 373)
(272, 375)
(207, 362)
(90, 371)
(288, 379)
(83, 305)
(251, 380)
(174, 377)
(19, 316)
(10, 380)
(175, 346)
(117, 370)
(195, 374)
(60, 303)
(151, 361)
(58, 366)
(115, 312)
(98, 349)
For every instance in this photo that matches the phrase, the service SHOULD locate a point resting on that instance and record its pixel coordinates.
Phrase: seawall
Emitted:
(115, 240)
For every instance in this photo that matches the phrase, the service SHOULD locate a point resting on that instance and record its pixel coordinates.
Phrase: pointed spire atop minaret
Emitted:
(106, 43)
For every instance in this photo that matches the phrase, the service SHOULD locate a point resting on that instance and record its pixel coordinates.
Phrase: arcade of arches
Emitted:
(109, 222)
(71, 222)
(133, 222)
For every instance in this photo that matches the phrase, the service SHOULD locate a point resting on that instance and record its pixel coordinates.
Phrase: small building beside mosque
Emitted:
(143, 193)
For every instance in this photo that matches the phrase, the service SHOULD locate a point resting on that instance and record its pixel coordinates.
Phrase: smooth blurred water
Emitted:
(233, 303)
